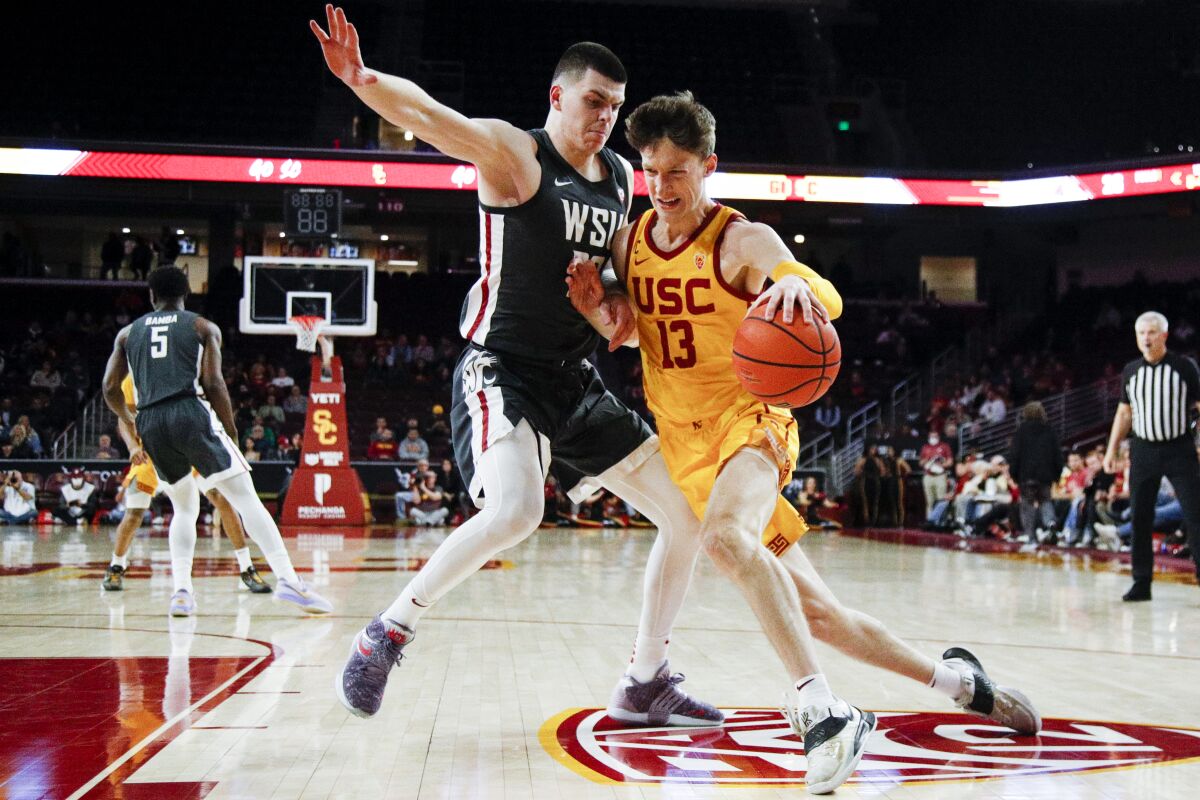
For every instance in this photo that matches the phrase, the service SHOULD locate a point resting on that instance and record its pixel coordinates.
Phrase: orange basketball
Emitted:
(786, 365)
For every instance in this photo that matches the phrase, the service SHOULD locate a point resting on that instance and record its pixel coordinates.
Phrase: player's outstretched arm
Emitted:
(114, 373)
(796, 286)
(494, 146)
(599, 295)
(211, 380)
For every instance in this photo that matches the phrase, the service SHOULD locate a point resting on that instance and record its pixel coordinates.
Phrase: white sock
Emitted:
(408, 608)
(814, 691)
(649, 653)
(243, 557)
(239, 491)
(120, 561)
(181, 571)
(948, 681)
(181, 536)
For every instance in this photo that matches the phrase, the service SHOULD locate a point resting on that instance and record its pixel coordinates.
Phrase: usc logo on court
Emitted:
(757, 747)
(324, 427)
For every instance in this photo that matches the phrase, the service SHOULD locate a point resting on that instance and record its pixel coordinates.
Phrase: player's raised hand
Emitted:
(616, 311)
(340, 47)
(584, 289)
(790, 293)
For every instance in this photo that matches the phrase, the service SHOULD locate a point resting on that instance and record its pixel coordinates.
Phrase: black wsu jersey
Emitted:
(164, 352)
(519, 305)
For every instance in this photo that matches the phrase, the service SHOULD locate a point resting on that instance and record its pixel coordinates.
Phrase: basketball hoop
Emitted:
(307, 330)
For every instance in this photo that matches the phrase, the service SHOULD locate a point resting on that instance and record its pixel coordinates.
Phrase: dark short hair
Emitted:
(168, 283)
(677, 117)
(582, 56)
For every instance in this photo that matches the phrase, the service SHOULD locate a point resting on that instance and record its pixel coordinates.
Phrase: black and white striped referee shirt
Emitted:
(1160, 395)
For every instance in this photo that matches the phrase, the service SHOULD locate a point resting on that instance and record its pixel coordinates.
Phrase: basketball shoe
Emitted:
(659, 701)
(376, 649)
(835, 739)
(254, 582)
(303, 595)
(981, 696)
(182, 604)
(114, 578)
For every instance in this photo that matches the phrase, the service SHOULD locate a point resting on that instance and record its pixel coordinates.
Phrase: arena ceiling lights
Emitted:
(1008, 193)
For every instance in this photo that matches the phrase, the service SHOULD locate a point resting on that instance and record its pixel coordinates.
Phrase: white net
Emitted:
(307, 330)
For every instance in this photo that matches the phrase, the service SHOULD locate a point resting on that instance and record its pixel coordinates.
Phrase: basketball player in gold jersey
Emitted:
(141, 484)
(692, 269)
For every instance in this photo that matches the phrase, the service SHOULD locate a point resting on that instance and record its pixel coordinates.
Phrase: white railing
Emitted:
(78, 438)
(1069, 413)
(842, 464)
(814, 451)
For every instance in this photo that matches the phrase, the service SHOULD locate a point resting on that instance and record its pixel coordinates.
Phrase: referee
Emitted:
(1156, 393)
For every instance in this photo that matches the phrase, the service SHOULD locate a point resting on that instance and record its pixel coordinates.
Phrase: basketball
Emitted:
(786, 365)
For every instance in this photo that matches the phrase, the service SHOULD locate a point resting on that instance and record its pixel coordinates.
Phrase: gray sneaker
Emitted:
(376, 649)
(984, 698)
(660, 702)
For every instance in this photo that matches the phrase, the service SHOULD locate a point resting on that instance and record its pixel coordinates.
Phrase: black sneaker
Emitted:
(1008, 707)
(1138, 592)
(254, 582)
(113, 578)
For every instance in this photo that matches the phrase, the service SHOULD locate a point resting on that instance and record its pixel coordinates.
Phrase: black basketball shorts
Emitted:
(183, 433)
(584, 427)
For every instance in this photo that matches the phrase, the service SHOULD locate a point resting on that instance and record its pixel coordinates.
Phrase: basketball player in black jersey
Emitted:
(525, 400)
(184, 421)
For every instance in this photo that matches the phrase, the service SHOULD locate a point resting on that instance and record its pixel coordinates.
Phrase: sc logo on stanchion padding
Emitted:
(324, 427)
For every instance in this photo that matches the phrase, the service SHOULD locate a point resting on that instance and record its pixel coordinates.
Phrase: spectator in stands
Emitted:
(286, 450)
(829, 414)
(140, 259)
(424, 350)
(1168, 516)
(295, 402)
(263, 437)
(104, 448)
(994, 409)
(402, 352)
(448, 352)
(112, 253)
(890, 512)
(167, 247)
(250, 449)
(989, 489)
(20, 500)
(79, 500)
(76, 379)
(1068, 492)
(282, 381)
(438, 427)
(243, 418)
(937, 460)
(384, 448)
(413, 447)
(868, 476)
(271, 412)
(46, 378)
(259, 377)
(8, 417)
(810, 500)
(381, 427)
(1036, 461)
(456, 498)
(427, 506)
(25, 441)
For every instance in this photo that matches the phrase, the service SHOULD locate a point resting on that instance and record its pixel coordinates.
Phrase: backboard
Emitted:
(339, 290)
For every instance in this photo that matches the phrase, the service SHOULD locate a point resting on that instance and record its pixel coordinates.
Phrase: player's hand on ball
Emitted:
(584, 289)
(341, 50)
(616, 311)
(790, 293)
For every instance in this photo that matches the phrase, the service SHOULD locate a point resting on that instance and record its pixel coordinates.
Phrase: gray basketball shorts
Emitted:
(183, 433)
(584, 427)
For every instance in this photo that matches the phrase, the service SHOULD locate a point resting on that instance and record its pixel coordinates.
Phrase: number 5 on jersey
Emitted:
(158, 341)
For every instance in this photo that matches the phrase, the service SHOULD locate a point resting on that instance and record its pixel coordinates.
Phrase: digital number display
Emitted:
(312, 213)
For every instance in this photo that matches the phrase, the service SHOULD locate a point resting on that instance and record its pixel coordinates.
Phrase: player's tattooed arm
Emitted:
(211, 380)
(114, 373)
(509, 172)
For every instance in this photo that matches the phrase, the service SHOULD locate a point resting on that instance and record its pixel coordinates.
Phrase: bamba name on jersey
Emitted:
(162, 320)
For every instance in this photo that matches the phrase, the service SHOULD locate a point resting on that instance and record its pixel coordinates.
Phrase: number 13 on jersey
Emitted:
(677, 332)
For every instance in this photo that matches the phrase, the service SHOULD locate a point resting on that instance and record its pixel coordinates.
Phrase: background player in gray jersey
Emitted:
(585, 97)
(173, 355)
